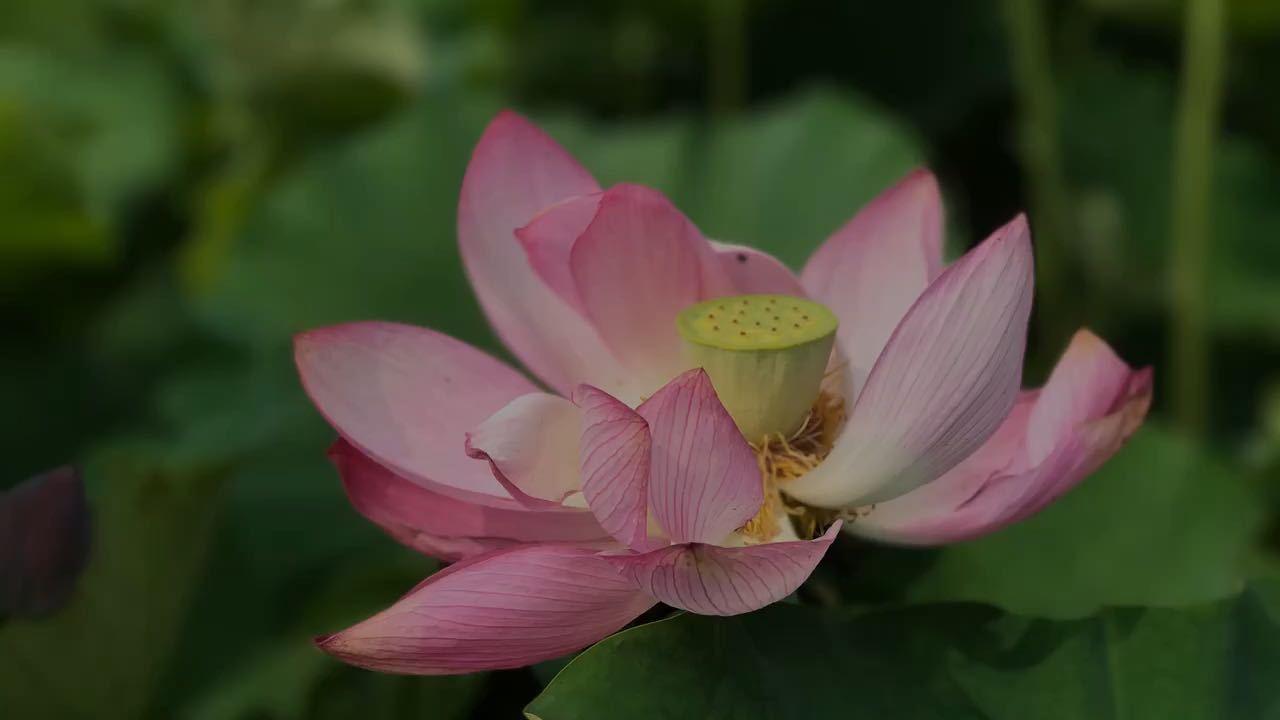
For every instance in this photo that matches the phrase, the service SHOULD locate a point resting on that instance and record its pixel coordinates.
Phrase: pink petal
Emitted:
(445, 527)
(711, 580)
(946, 380)
(872, 269)
(636, 266)
(958, 484)
(548, 240)
(516, 172)
(532, 448)
(549, 237)
(1084, 386)
(406, 396)
(1091, 405)
(704, 482)
(46, 536)
(754, 272)
(615, 460)
(503, 609)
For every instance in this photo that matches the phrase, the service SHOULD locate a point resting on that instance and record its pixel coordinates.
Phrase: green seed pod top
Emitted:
(765, 355)
(755, 322)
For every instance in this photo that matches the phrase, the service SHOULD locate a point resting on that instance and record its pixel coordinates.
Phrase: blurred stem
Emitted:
(1197, 126)
(222, 208)
(1038, 146)
(727, 60)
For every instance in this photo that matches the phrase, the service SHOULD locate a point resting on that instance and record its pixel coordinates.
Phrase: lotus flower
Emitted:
(713, 420)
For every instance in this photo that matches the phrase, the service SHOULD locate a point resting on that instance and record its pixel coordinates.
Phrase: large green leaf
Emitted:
(947, 661)
(102, 655)
(1162, 523)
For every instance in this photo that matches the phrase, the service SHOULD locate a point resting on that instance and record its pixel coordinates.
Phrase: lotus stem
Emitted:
(1038, 147)
(1197, 128)
(727, 60)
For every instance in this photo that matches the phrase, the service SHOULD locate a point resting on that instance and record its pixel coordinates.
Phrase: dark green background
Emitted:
(184, 185)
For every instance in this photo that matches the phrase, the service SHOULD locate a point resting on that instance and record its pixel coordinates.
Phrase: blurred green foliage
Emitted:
(946, 661)
(186, 184)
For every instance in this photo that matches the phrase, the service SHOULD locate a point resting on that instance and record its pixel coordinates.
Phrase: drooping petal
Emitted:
(516, 172)
(964, 480)
(504, 609)
(1085, 385)
(615, 461)
(44, 542)
(406, 396)
(704, 482)
(755, 272)
(532, 446)
(871, 270)
(636, 266)
(447, 528)
(946, 380)
(1091, 405)
(711, 580)
(548, 239)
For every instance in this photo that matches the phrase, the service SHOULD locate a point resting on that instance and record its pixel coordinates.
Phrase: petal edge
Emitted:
(504, 609)
(712, 580)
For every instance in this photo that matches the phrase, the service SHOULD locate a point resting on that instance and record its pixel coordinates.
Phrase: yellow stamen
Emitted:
(782, 459)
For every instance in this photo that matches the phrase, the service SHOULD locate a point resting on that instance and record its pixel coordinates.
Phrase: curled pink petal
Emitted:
(531, 445)
(947, 378)
(704, 482)
(636, 266)
(1085, 385)
(406, 396)
(1052, 440)
(549, 237)
(615, 460)
(504, 609)
(712, 580)
(871, 270)
(755, 272)
(516, 172)
(447, 528)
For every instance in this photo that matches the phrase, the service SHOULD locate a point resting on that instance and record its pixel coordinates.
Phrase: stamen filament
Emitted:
(783, 458)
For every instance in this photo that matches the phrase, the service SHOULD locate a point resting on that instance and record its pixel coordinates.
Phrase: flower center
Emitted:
(784, 458)
(765, 355)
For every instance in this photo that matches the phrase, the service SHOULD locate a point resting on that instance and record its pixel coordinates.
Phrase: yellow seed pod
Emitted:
(765, 355)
